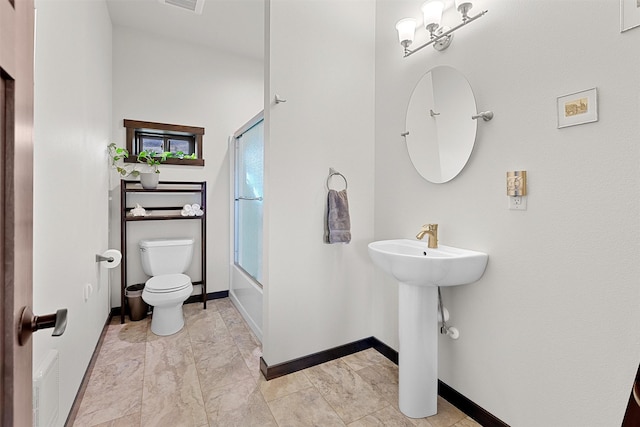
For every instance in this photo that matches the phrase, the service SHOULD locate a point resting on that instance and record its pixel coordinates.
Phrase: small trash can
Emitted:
(137, 307)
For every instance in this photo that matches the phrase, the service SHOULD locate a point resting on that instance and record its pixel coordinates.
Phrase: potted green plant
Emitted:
(149, 179)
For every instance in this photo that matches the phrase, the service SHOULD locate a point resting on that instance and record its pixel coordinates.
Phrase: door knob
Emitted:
(29, 323)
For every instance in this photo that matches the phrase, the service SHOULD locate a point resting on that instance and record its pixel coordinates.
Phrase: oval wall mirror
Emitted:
(441, 132)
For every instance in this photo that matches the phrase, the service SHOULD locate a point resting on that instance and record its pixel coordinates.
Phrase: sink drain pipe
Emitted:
(450, 331)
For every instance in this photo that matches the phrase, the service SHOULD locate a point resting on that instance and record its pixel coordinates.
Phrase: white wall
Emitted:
(549, 334)
(72, 128)
(317, 295)
(160, 80)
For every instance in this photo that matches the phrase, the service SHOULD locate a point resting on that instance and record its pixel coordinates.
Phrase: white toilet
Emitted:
(167, 290)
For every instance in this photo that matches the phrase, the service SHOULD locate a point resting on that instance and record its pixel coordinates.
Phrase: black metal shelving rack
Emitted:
(163, 213)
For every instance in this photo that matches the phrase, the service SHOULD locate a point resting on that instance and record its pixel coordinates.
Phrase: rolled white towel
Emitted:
(199, 212)
(187, 208)
(195, 207)
(184, 213)
(138, 211)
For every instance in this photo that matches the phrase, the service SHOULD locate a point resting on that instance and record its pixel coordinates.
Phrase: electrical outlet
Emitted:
(518, 203)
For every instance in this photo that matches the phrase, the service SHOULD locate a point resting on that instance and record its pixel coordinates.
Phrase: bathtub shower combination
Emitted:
(247, 166)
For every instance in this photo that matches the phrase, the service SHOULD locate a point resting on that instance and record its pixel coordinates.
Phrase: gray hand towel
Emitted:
(338, 222)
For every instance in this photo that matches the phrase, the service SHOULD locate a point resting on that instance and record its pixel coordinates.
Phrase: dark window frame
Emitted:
(136, 127)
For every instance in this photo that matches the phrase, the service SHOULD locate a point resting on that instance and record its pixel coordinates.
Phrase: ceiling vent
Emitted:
(194, 6)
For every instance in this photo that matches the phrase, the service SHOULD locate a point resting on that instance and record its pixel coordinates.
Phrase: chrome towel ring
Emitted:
(333, 172)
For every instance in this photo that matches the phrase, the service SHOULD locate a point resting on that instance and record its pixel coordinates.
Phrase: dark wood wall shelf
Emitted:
(162, 213)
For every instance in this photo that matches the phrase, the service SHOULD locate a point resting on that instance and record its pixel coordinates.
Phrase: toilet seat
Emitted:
(166, 283)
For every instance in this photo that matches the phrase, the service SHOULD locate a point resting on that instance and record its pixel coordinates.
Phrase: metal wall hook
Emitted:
(486, 116)
(279, 100)
(404, 133)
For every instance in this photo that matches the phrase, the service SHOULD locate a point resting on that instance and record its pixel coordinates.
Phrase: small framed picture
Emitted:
(629, 14)
(578, 108)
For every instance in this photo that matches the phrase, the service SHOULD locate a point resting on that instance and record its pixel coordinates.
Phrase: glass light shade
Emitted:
(406, 31)
(463, 5)
(432, 12)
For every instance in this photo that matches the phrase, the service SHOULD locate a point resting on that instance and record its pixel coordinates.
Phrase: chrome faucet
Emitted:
(432, 231)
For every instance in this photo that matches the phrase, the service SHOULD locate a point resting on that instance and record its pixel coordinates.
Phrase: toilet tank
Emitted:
(165, 256)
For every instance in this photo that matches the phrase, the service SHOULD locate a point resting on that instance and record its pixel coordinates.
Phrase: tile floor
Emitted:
(208, 375)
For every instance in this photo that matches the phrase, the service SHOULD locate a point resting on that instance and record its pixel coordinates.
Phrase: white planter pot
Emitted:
(149, 181)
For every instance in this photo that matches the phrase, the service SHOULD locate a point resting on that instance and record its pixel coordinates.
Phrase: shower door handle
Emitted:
(249, 198)
(29, 323)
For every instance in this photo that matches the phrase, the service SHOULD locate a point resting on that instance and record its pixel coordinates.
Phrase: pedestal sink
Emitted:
(419, 271)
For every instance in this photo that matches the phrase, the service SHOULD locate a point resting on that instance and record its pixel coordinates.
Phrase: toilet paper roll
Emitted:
(112, 253)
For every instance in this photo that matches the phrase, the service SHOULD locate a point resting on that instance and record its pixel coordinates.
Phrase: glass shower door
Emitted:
(249, 173)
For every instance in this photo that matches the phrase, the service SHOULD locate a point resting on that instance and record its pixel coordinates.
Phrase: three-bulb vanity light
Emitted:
(440, 36)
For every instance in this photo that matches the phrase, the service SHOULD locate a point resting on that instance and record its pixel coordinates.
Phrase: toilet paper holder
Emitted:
(110, 258)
